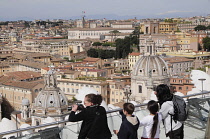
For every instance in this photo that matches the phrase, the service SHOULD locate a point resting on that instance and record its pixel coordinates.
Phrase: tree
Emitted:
(92, 53)
(169, 20)
(106, 44)
(206, 43)
(119, 44)
(122, 47)
(96, 44)
(114, 33)
(200, 27)
(100, 53)
(208, 27)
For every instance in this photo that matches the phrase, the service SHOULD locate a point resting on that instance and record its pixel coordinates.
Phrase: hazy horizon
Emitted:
(98, 9)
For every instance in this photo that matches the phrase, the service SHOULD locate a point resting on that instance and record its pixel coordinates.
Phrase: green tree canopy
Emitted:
(200, 27)
(97, 44)
(206, 43)
(123, 47)
(92, 53)
(169, 20)
(100, 53)
(208, 27)
(107, 44)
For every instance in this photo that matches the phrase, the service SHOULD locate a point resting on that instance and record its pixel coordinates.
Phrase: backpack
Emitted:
(180, 112)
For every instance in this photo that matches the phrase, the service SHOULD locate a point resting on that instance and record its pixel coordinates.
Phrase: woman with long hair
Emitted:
(94, 125)
(173, 129)
(151, 122)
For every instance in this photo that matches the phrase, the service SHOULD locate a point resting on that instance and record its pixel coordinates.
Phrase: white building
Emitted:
(94, 33)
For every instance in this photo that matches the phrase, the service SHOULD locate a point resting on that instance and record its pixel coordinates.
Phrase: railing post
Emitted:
(207, 133)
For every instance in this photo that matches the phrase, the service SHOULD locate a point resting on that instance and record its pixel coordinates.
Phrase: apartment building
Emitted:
(16, 86)
(95, 73)
(116, 91)
(70, 87)
(57, 46)
(200, 35)
(167, 27)
(121, 64)
(95, 61)
(190, 26)
(186, 41)
(122, 25)
(29, 66)
(4, 68)
(178, 65)
(132, 59)
(182, 83)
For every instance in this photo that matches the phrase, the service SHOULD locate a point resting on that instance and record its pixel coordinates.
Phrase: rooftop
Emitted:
(22, 75)
(194, 128)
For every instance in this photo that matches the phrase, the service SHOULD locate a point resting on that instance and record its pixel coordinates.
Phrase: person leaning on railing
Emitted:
(94, 125)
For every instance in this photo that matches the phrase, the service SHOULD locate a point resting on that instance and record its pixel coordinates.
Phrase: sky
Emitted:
(71, 9)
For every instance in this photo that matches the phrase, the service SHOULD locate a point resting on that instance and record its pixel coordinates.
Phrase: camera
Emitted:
(80, 107)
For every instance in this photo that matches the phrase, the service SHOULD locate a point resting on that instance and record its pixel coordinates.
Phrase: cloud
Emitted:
(174, 11)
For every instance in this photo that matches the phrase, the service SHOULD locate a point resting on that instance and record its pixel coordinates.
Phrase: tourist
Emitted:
(130, 123)
(151, 122)
(94, 125)
(164, 96)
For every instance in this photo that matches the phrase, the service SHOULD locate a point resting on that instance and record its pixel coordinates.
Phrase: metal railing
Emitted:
(65, 121)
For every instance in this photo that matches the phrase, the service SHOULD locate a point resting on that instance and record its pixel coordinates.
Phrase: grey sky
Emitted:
(54, 9)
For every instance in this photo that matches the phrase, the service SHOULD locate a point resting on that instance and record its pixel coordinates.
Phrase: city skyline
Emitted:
(117, 9)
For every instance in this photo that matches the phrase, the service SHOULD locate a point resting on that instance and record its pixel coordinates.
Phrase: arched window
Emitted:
(140, 89)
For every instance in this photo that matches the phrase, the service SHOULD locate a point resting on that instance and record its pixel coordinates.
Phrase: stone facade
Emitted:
(50, 102)
(150, 70)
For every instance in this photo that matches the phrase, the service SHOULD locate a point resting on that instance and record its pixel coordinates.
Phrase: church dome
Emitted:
(51, 100)
(150, 66)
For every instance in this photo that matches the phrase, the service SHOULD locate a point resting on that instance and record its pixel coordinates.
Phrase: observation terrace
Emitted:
(197, 126)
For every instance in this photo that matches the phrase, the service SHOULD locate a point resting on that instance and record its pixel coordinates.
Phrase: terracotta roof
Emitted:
(39, 55)
(90, 59)
(70, 71)
(37, 65)
(177, 59)
(95, 70)
(57, 59)
(19, 84)
(19, 56)
(46, 68)
(22, 75)
(5, 55)
(135, 53)
(4, 79)
(50, 37)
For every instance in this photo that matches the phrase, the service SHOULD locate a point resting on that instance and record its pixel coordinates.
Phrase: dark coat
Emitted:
(94, 125)
(127, 129)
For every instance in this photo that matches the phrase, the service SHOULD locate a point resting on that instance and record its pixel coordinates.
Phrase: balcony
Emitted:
(195, 127)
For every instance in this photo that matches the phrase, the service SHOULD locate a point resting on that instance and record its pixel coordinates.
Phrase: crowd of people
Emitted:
(95, 126)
